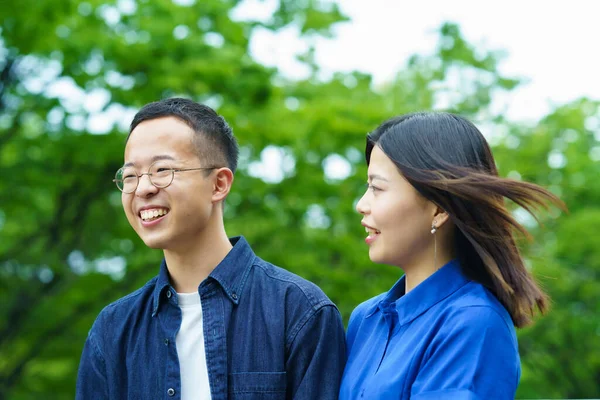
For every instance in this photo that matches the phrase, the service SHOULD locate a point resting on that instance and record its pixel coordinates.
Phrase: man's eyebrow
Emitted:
(154, 159)
(373, 177)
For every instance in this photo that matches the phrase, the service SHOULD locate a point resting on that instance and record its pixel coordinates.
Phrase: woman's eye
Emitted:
(373, 188)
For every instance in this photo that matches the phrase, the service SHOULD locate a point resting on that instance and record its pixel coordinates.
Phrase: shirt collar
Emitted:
(431, 291)
(231, 273)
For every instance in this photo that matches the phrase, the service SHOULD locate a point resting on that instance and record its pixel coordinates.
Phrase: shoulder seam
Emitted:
(94, 343)
(491, 308)
(310, 314)
(314, 302)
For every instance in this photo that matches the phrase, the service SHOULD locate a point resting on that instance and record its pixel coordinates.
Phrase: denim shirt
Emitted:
(268, 334)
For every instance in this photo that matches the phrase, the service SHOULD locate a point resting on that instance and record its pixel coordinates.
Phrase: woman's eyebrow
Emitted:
(373, 177)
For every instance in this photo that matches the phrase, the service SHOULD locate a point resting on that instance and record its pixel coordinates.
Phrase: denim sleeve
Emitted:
(474, 356)
(91, 378)
(317, 356)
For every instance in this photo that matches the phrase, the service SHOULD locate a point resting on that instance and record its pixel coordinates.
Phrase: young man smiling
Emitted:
(217, 322)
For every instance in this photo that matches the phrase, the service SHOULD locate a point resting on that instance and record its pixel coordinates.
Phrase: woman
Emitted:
(435, 208)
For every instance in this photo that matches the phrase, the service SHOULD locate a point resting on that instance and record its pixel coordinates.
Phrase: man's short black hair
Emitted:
(214, 140)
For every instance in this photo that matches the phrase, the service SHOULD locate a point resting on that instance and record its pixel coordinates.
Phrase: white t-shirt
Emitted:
(190, 349)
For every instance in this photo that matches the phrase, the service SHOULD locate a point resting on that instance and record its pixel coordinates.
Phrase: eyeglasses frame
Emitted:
(173, 170)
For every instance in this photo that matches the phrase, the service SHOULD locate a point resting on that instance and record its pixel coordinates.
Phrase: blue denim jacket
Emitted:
(268, 333)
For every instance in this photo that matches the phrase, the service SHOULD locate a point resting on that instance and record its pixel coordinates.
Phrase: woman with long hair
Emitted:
(435, 208)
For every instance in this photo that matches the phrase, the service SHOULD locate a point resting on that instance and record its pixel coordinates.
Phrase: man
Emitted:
(217, 322)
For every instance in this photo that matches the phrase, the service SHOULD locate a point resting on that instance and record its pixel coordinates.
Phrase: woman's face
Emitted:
(397, 218)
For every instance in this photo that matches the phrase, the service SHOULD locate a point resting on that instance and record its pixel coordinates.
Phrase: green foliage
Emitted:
(559, 353)
(67, 249)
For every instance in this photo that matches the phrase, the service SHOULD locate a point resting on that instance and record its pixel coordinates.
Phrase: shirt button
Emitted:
(169, 294)
(166, 342)
(171, 392)
(234, 296)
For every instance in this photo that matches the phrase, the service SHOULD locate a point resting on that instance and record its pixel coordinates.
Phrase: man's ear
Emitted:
(222, 184)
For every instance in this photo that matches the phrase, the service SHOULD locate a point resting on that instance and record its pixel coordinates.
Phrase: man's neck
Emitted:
(188, 267)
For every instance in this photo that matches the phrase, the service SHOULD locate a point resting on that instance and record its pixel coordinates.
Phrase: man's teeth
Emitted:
(148, 215)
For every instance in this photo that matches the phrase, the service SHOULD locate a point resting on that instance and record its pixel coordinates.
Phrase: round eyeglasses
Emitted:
(160, 174)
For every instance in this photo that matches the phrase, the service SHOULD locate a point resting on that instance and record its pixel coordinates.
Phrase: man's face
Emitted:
(177, 216)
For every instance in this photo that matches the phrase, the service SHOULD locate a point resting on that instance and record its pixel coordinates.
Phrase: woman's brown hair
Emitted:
(448, 161)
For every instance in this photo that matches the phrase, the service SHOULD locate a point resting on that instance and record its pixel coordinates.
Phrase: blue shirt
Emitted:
(448, 338)
(268, 334)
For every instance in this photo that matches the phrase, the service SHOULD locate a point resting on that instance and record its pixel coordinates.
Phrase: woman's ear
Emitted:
(440, 218)
(222, 184)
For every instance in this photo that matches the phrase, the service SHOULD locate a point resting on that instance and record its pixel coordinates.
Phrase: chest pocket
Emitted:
(257, 386)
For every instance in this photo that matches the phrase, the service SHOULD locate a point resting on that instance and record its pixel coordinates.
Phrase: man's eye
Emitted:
(162, 171)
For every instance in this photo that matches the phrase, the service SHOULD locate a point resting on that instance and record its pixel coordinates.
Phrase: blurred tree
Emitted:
(70, 74)
(560, 352)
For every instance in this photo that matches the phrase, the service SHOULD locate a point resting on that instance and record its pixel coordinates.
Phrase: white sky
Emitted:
(554, 44)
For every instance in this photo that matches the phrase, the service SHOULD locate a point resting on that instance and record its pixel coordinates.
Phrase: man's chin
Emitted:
(154, 243)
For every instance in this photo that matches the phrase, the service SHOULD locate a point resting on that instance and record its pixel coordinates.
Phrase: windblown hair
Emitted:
(448, 161)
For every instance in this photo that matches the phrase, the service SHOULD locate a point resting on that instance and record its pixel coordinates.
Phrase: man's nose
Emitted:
(145, 186)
